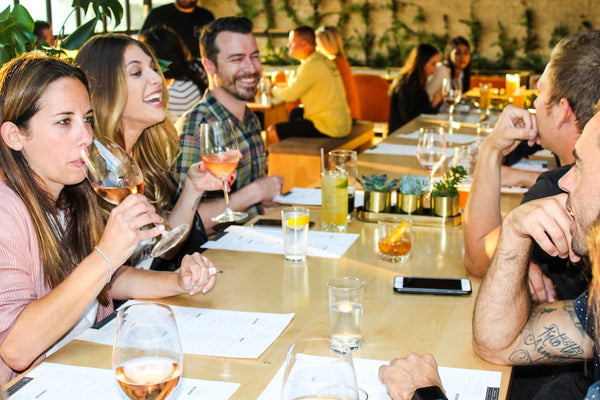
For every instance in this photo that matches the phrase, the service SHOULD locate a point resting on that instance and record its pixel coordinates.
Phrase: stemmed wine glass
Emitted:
(147, 356)
(319, 369)
(431, 150)
(114, 175)
(451, 95)
(221, 154)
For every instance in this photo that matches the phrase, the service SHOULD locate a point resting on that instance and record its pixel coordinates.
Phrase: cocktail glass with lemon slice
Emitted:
(334, 200)
(394, 240)
(294, 221)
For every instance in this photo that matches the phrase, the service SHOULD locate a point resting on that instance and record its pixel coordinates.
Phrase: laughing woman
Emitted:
(60, 266)
(129, 95)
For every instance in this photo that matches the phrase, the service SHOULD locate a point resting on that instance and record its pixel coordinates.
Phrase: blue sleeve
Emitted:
(593, 392)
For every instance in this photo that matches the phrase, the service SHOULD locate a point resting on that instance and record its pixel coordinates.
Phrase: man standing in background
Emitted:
(185, 18)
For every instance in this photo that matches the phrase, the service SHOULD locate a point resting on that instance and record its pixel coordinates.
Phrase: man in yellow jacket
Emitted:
(319, 86)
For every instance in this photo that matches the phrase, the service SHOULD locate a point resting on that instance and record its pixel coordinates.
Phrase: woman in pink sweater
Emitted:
(60, 266)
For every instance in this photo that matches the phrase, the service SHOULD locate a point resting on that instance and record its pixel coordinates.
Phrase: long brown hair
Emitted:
(412, 76)
(155, 151)
(22, 83)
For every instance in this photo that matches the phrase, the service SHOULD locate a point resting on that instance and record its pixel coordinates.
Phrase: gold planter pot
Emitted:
(445, 206)
(378, 201)
(411, 203)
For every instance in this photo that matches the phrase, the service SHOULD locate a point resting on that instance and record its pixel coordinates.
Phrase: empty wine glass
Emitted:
(114, 175)
(220, 154)
(147, 357)
(319, 369)
(451, 94)
(431, 150)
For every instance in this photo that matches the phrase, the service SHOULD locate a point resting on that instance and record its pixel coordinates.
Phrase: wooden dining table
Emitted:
(394, 325)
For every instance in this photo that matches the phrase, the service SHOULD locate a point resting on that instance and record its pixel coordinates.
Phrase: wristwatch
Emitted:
(429, 393)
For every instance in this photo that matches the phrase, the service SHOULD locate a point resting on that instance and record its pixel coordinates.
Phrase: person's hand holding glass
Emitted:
(114, 175)
(221, 155)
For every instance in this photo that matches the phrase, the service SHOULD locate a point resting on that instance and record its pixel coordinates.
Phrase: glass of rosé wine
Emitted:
(220, 154)
(114, 175)
(147, 356)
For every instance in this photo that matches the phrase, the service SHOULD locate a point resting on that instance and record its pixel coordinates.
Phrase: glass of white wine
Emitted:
(114, 175)
(220, 154)
(147, 357)
(320, 369)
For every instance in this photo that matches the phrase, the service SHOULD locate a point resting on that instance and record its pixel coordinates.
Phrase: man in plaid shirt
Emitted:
(232, 62)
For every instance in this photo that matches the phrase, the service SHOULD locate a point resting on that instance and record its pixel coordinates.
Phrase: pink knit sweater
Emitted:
(21, 270)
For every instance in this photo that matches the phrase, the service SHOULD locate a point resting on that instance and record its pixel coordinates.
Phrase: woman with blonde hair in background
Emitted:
(60, 265)
(129, 95)
(329, 42)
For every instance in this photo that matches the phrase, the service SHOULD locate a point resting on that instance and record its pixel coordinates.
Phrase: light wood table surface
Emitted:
(394, 325)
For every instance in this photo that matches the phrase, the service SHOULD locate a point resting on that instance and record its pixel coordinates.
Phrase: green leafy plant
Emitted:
(16, 28)
(378, 183)
(413, 184)
(447, 187)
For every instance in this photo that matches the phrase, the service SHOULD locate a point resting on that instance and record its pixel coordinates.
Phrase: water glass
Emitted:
(394, 239)
(294, 221)
(346, 310)
(346, 160)
(334, 201)
(319, 369)
(484, 128)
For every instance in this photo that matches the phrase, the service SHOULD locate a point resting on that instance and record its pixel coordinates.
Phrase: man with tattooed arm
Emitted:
(507, 327)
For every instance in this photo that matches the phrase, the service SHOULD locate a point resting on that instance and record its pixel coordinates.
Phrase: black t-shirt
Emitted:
(569, 279)
(187, 25)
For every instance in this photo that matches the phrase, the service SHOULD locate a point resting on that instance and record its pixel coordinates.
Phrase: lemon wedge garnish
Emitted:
(298, 221)
(398, 231)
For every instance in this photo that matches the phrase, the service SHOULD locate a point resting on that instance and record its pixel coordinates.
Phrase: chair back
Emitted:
(373, 97)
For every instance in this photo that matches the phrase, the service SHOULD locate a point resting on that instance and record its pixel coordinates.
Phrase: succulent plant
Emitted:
(378, 183)
(413, 184)
(447, 187)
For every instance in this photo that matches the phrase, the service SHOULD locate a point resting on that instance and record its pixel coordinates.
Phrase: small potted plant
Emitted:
(444, 195)
(378, 192)
(411, 190)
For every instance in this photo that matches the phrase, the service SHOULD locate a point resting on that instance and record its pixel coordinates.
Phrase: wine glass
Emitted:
(114, 175)
(220, 154)
(431, 150)
(147, 357)
(451, 95)
(319, 369)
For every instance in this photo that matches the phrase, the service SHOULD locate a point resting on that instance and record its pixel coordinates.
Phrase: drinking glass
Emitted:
(451, 95)
(431, 150)
(334, 201)
(294, 221)
(114, 175)
(346, 310)
(147, 357)
(221, 155)
(319, 369)
(347, 161)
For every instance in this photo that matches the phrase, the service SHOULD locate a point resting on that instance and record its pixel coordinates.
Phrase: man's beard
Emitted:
(246, 94)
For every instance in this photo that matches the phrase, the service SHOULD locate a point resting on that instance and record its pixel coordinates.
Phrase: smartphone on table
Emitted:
(276, 222)
(422, 285)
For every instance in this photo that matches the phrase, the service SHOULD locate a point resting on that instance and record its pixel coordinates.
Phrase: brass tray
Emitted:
(417, 219)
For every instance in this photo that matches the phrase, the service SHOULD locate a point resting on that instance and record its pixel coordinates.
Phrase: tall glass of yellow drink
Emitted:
(334, 197)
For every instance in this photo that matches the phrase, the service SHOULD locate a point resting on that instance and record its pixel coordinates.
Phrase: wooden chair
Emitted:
(374, 100)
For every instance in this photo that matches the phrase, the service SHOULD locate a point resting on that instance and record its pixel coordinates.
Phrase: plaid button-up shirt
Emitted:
(253, 163)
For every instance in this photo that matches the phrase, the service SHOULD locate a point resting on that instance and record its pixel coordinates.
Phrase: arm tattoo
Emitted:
(551, 344)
